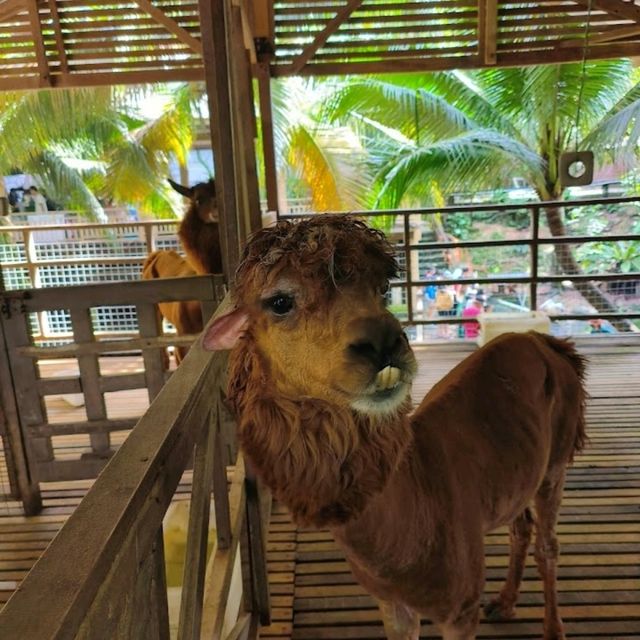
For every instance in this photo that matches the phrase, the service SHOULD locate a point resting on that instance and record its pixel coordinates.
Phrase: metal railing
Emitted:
(580, 294)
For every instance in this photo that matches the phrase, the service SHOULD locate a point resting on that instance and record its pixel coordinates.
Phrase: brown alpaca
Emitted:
(320, 377)
(186, 317)
(199, 230)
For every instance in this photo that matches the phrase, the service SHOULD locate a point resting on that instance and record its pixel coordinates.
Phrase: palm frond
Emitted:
(66, 185)
(475, 159)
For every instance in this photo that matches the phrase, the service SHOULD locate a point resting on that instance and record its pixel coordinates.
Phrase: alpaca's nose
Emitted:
(377, 340)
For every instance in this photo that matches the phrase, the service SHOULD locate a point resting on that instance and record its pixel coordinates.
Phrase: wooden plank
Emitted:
(21, 467)
(57, 34)
(10, 8)
(321, 38)
(120, 293)
(268, 147)
(487, 39)
(195, 562)
(616, 8)
(150, 326)
(90, 378)
(215, 34)
(221, 563)
(38, 42)
(171, 25)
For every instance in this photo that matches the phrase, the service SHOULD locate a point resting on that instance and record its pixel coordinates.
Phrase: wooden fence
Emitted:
(28, 429)
(107, 563)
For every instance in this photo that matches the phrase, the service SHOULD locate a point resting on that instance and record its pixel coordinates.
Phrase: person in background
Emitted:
(598, 326)
(429, 292)
(445, 307)
(38, 200)
(472, 310)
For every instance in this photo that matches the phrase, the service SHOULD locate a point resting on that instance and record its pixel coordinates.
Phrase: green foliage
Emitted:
(91, 144)
(611, 257)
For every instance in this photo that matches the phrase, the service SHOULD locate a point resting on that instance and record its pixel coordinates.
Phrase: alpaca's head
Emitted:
(310, 305)
(202, 197)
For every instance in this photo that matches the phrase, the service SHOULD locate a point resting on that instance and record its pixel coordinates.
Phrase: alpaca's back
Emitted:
(494, 414)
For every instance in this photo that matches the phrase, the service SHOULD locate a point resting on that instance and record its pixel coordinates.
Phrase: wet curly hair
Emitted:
(326, 249)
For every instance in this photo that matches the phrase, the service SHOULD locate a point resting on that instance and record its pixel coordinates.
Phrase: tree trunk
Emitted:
(568, 265)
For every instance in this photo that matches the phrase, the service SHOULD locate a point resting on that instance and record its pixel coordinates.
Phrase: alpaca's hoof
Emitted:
(496, 611)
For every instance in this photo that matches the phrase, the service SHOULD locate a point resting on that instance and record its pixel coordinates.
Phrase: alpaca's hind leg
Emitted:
(400, 622)
(546, 551)
(503, 607)
(465, 625)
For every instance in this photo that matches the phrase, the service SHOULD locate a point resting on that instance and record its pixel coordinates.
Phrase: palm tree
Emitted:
(474, 128)
(326, 162)
(92, 143)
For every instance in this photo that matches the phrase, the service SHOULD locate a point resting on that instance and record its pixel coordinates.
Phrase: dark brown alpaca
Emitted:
(320, 376)
(186, 317)
(199, 230)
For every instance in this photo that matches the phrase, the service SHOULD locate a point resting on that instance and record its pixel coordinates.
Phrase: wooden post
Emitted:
(246, 127)
(149, 324)
(195, 563)
(90, 376)
(257, 549)
(25, 382)
(24, 484)
(214, 25)
(268, 147)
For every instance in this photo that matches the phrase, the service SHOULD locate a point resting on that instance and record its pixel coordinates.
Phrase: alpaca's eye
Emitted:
(279, 304)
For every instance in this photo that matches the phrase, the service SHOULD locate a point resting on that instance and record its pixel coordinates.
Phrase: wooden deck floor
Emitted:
(313, 593)
(314, 596)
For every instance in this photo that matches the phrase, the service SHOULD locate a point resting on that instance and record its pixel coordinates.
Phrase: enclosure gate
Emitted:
(27, 432)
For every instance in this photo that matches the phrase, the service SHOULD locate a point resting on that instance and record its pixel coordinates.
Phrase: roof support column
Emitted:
(268, 146)
(214, 20)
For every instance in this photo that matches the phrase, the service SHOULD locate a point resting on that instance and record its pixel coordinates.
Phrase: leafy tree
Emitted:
(472, 129)
(92, 143)
(328, 162)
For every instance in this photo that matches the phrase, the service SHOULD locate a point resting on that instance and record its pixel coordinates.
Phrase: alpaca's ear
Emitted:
(225, 331)
(183, 191)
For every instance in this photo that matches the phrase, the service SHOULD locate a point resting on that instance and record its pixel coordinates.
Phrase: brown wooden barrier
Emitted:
(29, 431)
(103, 575)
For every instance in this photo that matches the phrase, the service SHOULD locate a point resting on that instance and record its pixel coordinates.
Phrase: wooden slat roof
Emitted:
(88, 42)
(383, 35)
(84, 42)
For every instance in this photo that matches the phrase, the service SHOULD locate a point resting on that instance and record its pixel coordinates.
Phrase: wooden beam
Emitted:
(249, 215)
(215, 41)
(171, 25)
(487, 30)
(609, 36)
(332, 26)
(38, 43)
(618, 8)
(268, 146)
(247, 29)
(57, 33)
(263, 20)
(10, 7)
(510, 59)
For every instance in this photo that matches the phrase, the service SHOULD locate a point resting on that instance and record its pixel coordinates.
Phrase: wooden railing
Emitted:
(29, 427)
(147, 234)
(103, 575)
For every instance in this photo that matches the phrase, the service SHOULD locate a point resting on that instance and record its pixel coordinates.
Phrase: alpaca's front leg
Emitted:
(400, 622)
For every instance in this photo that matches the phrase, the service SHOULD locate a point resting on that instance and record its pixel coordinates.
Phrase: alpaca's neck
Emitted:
(324, 462)
(201, 243)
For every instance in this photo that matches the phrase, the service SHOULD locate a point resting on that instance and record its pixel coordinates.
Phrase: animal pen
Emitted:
(257, 574)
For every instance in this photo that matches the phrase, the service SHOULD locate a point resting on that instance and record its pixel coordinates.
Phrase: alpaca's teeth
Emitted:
(387, 378)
